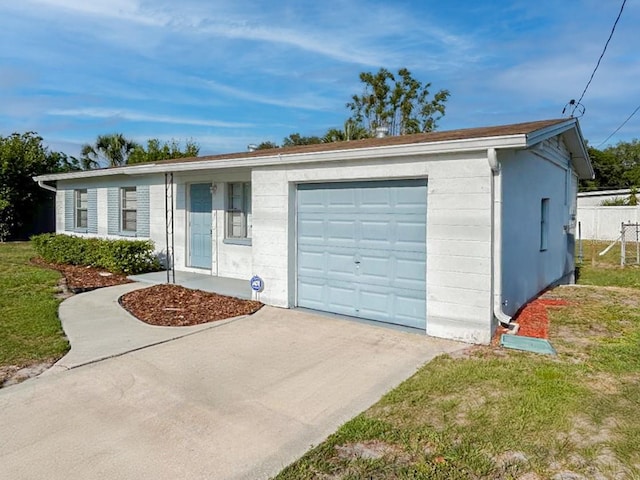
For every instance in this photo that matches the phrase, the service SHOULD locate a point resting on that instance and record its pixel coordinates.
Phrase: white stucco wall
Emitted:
(526, 180)
(458, 234)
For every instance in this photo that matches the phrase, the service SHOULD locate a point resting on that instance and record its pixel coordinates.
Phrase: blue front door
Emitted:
(200, 225)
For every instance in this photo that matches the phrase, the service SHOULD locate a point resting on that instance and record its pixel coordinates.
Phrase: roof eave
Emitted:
(572, 135)
(388, 151)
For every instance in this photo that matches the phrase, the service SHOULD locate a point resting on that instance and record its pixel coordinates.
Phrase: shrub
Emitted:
(117, 256)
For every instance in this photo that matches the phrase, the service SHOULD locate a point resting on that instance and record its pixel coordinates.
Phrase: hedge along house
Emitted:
(448, 232)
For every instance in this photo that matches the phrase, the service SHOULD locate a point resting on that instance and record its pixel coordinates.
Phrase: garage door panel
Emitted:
(375, 305)
(410, 235)
(311, 263)
(310, 229)
(313, 294)
(340, 229)
(364, 243)
(409, 311)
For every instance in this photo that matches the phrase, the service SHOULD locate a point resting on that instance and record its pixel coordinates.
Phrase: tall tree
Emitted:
(110, 150)
(157, 150)
(23, 156)
(628, 157)
(399, 103)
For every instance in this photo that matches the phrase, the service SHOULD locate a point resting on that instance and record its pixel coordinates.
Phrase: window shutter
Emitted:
(69, 206)
(143, 214)
(113, 211)
(92, 210)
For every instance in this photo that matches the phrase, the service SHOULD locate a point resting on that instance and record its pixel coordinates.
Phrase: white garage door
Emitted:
(361, 249)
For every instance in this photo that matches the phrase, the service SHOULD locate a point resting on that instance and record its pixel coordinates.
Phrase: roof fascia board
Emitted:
(551, 131)
(429, 148)
(570, 130)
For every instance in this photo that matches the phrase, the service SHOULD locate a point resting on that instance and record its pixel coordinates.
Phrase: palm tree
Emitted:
(112, 149)
(352, 131)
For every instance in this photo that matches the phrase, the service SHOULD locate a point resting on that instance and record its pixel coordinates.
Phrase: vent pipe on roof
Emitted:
(252, 147)
(382, 131)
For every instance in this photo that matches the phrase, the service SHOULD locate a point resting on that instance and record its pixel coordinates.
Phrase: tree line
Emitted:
(615, 167)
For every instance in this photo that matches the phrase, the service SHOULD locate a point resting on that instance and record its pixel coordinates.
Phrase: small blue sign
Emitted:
(257, 284)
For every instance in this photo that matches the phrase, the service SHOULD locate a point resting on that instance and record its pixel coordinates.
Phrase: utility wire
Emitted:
(613, 29)
(621, 125)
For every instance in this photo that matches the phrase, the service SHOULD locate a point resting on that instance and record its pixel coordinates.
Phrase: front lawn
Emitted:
(30, 331)
(501, 414)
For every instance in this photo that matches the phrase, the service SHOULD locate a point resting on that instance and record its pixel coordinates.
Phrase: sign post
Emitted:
(257, 285)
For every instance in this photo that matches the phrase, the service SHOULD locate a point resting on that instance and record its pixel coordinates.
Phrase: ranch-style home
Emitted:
(448, 232)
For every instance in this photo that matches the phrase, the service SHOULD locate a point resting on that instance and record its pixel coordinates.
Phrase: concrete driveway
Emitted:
(240, 401)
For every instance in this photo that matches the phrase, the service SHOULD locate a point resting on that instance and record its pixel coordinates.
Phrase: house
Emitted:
(448, 232)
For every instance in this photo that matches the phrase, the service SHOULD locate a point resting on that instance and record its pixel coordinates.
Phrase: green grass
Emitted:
(501, 414)
(29, 325)
(605, 270)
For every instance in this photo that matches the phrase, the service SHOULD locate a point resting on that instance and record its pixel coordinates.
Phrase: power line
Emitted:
(613, 29)
(621, 125)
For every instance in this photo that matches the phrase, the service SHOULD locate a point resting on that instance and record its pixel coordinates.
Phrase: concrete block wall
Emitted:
(458, 234)
(527, 178)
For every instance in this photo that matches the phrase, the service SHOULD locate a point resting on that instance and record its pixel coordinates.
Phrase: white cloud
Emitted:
(332, 35)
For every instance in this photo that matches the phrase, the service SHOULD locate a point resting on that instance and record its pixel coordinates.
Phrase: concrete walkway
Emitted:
(98, 327)
(232, 287)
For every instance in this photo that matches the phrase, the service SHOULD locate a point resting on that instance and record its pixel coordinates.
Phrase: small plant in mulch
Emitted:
(173, 305)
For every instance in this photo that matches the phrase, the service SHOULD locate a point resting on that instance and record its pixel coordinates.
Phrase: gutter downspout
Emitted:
(496, 238)
(41, 184)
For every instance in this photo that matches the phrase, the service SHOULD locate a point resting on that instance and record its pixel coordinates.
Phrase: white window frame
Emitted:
(79, 195)
(238, 212)
(127, 208)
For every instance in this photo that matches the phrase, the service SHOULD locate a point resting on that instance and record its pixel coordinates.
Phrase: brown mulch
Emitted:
(83, 279)
(164, 305)
(176, 306)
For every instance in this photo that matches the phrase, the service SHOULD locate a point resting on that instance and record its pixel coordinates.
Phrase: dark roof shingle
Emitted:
(443, 136)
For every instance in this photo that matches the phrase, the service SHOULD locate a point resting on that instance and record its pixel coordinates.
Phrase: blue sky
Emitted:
(230, 73)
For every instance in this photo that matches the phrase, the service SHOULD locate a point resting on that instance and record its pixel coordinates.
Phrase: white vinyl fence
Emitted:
(603, 223)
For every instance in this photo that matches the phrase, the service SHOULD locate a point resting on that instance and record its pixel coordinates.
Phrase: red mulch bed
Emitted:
(532, 318)
(173, 305)
(83, 279)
